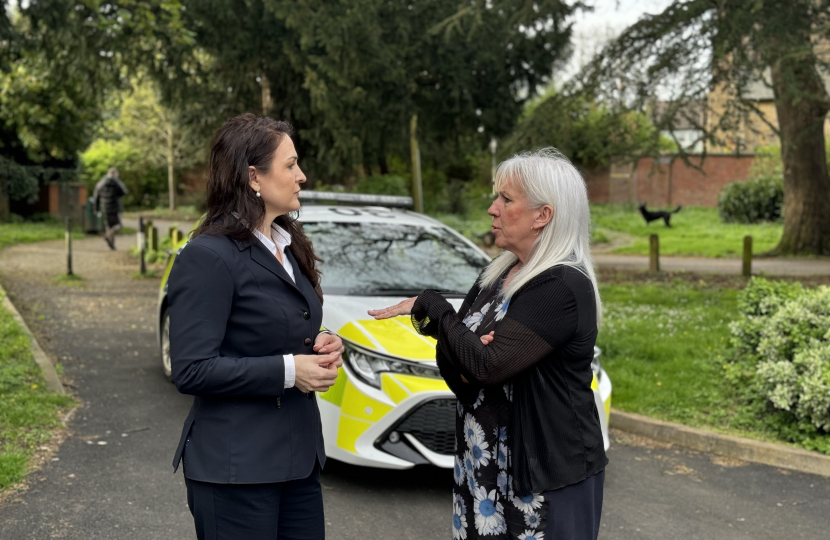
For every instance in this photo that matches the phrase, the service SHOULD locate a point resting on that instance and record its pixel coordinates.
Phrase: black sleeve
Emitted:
(448, 367)
(541, 317)
(200, 294)
(422, 322)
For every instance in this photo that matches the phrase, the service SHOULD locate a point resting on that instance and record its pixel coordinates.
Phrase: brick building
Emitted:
(667, 180)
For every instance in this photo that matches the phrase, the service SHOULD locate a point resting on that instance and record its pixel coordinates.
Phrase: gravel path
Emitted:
(769, 267)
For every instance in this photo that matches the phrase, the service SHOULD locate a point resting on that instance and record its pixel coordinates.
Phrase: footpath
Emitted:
(770, 267)
(112, 479)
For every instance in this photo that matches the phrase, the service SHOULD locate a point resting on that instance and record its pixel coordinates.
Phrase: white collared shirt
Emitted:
(280, 239)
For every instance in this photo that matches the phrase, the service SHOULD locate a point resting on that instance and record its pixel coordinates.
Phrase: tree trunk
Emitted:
(415, 154)
(171, 180)
(267, 102)
(801, 102)
(382, 163)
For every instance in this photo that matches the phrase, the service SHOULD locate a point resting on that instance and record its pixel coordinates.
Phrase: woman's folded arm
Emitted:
(540, 318)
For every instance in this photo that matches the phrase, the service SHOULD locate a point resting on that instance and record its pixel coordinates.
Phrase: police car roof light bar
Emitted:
(391, 201)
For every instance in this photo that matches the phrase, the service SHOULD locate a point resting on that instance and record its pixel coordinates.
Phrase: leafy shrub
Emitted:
(383, 184)
(752, 201)
(145, 182)
(783, 342)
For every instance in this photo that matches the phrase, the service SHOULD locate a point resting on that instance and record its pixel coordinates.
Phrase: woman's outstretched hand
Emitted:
(401, 308)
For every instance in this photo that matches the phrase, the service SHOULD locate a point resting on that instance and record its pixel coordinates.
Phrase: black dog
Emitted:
(662, 214)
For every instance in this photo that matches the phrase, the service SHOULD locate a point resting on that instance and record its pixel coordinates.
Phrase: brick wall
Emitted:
(666, 181)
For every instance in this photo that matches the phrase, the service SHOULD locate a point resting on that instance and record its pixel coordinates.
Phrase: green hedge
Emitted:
(753, 201)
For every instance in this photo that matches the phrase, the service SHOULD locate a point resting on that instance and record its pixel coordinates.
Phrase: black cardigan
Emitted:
(544, 346)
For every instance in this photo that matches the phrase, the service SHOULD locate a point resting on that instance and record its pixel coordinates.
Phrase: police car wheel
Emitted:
(165, 347)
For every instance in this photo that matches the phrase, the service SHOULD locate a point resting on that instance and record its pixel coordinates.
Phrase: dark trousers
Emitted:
(574, 511)
(283, 511)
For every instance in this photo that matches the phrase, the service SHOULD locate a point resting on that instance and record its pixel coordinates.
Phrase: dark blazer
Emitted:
(234, 313)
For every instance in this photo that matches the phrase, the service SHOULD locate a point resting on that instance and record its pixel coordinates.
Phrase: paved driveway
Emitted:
(103, 333)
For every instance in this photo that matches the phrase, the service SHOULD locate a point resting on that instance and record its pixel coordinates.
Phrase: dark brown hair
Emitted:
(233, 209)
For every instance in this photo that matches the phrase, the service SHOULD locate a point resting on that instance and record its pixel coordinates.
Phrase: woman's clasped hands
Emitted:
(318, 372)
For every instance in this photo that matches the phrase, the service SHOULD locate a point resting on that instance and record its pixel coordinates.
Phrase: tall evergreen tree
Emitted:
(58, 60)
(697, 46)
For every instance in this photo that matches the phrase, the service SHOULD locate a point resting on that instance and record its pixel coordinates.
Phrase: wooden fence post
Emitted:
(152, 236)
(747, 262)
(175, 235)
(142, 243)
(68, 235)
(654, 253)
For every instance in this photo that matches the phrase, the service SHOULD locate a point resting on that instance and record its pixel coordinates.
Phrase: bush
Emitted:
(383, 184)
(753, 201)
(783, 343)
(146, 183)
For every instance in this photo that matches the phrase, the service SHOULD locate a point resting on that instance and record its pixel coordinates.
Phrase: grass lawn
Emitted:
(19, 233)
(182, 213)
(695, 231)
(665, 348)
(28, 411)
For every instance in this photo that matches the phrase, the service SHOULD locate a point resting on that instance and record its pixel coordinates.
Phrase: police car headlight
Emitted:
(368, 366)
(596, 367)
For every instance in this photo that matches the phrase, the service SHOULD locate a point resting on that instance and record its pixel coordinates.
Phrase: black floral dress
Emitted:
(484, 505)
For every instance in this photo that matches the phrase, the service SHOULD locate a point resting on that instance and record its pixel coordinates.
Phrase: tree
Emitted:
(371, 65)
(158, 133)
(58, 61)
(587, 132)
(351, 74)
(696, 46)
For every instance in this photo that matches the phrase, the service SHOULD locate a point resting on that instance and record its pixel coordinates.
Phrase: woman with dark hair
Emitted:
(245, 313)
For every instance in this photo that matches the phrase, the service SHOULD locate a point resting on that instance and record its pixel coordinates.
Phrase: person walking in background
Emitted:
(530, 459)
(107, 197)
(245, 341)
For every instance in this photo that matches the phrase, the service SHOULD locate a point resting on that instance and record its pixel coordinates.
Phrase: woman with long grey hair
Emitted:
(530, 461)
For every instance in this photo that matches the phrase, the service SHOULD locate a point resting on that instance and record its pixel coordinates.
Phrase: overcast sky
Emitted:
(608, 19)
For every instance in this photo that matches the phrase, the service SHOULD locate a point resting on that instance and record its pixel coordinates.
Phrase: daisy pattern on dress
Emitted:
(479, 454)
(501, 433)
(472, 484)
(459, 472)
(460, 408)
(459, 500)
(532, 519)
(489, 514)
(479, 399)
(459, 521)
(501, 456)
(472, 430)
(501, 481)
(473, 320)
(469, 470)
(532, 535)
(508, 391)
(528, 503)
(501, 310)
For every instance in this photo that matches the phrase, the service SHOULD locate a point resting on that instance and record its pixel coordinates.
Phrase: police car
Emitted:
(389, 407)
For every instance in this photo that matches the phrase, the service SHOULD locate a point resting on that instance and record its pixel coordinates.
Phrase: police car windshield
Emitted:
(393, 259)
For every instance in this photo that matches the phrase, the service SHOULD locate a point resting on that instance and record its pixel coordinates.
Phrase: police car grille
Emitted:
(433, 424)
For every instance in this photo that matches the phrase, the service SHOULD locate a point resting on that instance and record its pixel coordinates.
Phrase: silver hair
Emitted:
(112, 171)
(548, 177)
